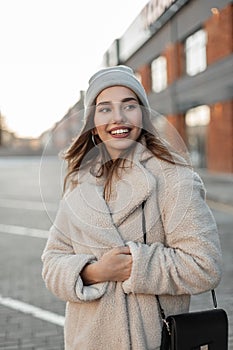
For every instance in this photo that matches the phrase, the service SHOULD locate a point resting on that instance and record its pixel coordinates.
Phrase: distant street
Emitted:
(30, 316)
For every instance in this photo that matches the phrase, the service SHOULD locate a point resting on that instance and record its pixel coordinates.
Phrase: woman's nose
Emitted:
(118, 114)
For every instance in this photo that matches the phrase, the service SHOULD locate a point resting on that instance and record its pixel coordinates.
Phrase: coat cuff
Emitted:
(135, 283)
(91, 292)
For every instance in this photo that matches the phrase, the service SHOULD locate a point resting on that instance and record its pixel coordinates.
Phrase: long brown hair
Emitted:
(82, 152)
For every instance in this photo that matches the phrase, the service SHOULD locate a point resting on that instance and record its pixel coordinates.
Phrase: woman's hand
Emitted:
(114, 266)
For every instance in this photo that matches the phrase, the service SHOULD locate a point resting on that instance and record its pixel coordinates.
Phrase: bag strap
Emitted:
(143, 223)
(162, 313)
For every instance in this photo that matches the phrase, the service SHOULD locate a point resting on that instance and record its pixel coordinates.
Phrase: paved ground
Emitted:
(30, 316)
(219, 186)
(22, 187)
(220, 198)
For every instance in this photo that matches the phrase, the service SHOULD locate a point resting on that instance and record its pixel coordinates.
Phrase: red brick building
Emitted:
(183, 53)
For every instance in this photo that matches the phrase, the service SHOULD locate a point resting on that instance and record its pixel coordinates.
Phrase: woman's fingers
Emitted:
(118, 250)
(115, 265)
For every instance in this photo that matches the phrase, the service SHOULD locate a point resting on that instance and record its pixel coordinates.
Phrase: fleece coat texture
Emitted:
(182, 255)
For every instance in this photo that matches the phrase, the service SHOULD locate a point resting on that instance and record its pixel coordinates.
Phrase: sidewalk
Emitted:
(219, 186)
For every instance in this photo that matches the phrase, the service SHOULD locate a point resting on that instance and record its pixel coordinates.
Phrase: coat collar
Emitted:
(89, 213)
(134, 187)
(98, 220)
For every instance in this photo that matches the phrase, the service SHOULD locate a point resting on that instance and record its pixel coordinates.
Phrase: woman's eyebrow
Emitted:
(103, 103)
(127, 99)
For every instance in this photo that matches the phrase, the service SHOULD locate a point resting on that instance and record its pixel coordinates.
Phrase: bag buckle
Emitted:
(167, 326)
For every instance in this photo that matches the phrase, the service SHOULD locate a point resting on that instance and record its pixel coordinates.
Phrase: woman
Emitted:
(95, 257)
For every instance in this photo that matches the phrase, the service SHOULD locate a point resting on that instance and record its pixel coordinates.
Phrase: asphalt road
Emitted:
(30, 316)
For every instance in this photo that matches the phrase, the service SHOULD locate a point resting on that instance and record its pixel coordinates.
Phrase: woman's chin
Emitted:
(116, 147)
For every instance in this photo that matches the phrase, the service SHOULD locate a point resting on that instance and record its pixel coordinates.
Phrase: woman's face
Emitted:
(117, 119)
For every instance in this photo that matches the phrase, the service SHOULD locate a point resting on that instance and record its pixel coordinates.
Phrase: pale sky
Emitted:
(48, 50)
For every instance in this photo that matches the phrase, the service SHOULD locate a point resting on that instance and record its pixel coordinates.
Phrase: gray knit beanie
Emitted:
(112, 76)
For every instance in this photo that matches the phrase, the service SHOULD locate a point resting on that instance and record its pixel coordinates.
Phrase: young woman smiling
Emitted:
(119, 172)
(117, 119)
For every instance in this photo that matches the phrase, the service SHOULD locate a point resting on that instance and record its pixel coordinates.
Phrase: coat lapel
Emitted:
(90, 214)
(135, 186)
(98, 221)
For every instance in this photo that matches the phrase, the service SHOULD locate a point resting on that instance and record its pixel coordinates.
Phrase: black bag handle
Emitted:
(162, 313)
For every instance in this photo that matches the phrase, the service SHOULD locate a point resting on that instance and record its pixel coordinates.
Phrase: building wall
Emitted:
(213, 87)
(145, 74)
(60, 137)
(220, 34)
(178, 121)
(220, 137)
(175, 63)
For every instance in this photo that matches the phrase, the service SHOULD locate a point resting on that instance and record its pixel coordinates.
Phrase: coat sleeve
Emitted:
(62, 266)
(189, 261)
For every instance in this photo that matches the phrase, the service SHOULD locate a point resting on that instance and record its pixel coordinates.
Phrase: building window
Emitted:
(199, 116)
(195, 52)
(159, 74)
(197, 121)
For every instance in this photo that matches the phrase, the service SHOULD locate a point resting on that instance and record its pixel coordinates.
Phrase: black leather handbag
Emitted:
(200, 330)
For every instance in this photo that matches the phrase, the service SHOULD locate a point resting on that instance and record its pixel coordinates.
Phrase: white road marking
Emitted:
(23, 231)
(33, 310)
(27, 205)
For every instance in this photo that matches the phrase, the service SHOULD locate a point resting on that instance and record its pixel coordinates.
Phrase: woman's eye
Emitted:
(130, 107)
(104, 110)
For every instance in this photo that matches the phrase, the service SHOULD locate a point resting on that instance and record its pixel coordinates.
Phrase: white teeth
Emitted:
(119, 131)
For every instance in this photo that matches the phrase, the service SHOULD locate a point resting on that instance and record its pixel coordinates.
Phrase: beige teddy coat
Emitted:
(182, 255)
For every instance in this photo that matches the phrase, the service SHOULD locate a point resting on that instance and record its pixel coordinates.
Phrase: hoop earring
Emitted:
(93, 140)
